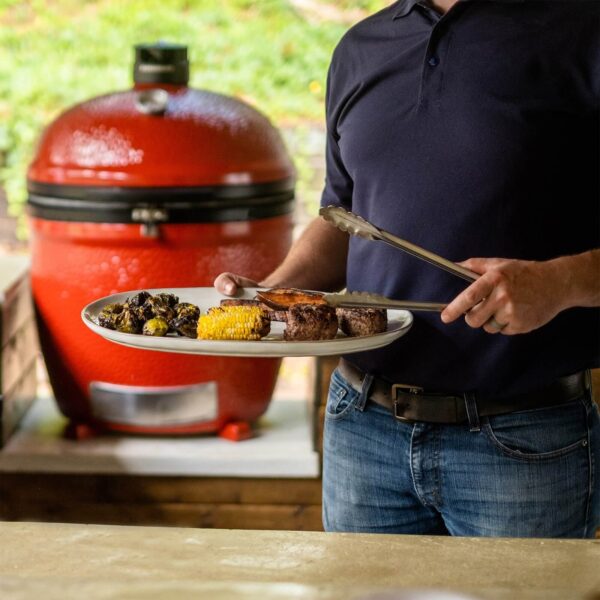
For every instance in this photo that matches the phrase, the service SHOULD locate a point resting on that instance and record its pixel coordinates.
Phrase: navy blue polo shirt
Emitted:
(473, 134)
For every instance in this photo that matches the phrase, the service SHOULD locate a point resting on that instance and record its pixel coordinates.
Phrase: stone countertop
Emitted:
(101, 562)
(282, 447)
(12, 269)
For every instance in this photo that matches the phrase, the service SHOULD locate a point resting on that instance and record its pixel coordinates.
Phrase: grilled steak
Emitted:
(311, 322)
(362, 321)
(239, 302)
(276, 315)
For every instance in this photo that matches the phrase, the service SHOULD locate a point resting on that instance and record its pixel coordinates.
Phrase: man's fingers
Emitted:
(480, 314)
(229, 283)
(466, 300)
(480, 265)
(225, 284)
(495, 325)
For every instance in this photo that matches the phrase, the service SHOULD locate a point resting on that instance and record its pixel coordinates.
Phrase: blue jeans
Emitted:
(525, 474)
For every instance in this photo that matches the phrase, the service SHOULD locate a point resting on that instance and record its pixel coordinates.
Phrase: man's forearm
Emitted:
(317, 260)
(581, 276)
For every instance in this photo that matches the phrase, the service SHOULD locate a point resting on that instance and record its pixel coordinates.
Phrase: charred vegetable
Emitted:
(108, 315)
(127, 322)
(234, 323)
(186, 319)
(158, 306)
(283, 298)
(137, 305)
(171, 300)
(138, 300)
(185, 309)
(157, 326)
(186, 326)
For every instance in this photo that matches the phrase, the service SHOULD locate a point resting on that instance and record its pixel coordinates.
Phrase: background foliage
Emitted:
(271, 53)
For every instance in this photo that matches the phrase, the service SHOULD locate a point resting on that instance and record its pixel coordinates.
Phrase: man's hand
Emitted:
(511, 296)
(229, 283)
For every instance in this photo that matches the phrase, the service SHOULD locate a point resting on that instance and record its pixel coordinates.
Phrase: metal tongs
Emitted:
(355, 225)
(368, 300)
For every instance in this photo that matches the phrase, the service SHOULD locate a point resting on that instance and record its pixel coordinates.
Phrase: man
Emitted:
(470, 128)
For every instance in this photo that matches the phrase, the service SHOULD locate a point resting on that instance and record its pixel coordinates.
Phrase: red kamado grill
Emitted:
(161, 186)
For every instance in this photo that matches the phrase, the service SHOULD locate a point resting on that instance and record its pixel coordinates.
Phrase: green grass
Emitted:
(56, 53)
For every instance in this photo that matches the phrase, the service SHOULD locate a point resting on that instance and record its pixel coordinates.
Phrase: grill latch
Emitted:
(149, 219)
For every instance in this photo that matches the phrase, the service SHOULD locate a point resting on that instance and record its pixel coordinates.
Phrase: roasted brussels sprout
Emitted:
(127, 322)
(108, 315)
(155, 306)
(143, 313)
(186, 319)
(137, 305)
(138, 299)
(156, 326)
(186, 326)
(185, 309)
(170, 300)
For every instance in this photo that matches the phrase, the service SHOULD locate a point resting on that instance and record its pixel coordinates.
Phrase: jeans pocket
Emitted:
(541, 434)
(341, 399)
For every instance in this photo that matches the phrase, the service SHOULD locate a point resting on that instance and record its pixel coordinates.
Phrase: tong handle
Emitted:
(427, 256)
(369, 300)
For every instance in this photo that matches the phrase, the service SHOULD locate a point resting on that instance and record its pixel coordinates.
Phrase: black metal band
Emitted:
(210, 204)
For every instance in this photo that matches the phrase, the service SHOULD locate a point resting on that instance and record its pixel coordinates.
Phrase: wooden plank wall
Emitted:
(288, 504)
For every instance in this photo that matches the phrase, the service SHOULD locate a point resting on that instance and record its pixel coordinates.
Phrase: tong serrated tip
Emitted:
(349, 222)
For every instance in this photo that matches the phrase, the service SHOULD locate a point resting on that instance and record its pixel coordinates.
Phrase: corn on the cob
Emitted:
(234, 323)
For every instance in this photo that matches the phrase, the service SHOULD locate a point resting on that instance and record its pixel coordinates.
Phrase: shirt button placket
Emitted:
(429, 76)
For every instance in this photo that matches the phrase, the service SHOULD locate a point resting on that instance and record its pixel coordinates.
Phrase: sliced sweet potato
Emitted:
(283, 298)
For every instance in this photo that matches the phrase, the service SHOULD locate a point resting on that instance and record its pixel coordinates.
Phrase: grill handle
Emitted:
(161, 63)
(152, 102)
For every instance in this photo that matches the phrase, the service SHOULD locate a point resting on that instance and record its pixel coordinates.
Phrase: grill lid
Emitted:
(160, 144)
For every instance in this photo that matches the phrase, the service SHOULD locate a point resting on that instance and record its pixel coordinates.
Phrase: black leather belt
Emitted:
(411, 403)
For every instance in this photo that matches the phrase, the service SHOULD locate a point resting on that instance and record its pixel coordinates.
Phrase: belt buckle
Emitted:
(406, 389)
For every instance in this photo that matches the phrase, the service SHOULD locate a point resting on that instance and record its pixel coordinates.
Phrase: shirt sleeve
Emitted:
(338, 183)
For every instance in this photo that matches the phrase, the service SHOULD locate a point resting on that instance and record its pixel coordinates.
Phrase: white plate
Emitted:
(399, 322)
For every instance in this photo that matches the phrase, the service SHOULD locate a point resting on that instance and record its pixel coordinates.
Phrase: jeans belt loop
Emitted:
(587, 379)
(365, 391)
(472, 412)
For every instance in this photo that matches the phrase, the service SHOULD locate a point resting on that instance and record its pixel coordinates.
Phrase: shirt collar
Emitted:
(405, 6)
